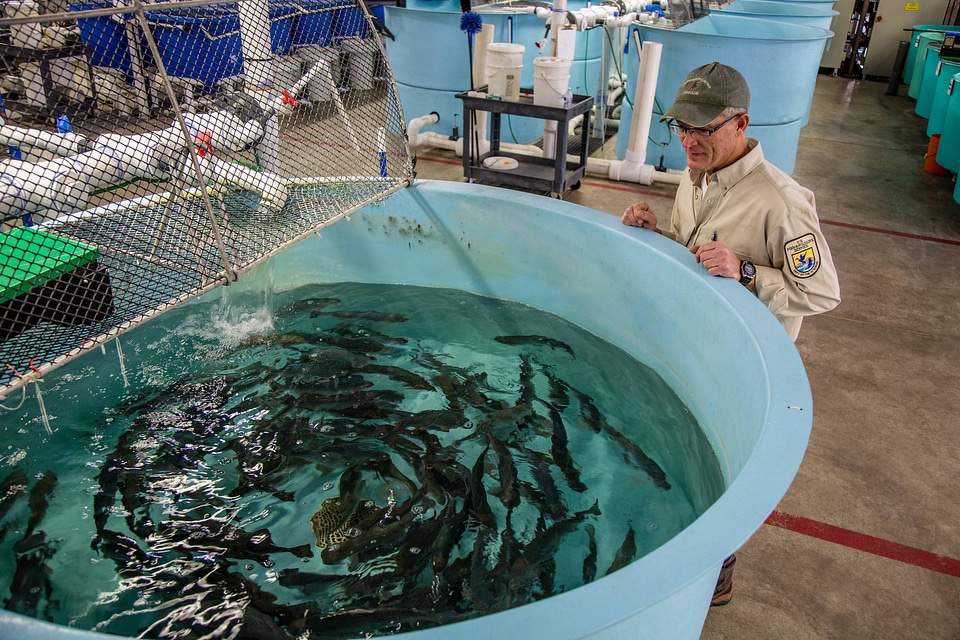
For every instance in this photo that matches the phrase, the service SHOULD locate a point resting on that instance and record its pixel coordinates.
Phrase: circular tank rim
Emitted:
(812, 33)
(697, 551)
(790, 9)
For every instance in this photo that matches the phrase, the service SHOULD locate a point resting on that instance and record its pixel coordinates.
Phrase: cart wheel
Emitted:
(575, 186)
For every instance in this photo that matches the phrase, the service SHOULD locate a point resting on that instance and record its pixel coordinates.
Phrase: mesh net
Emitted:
(158, 151)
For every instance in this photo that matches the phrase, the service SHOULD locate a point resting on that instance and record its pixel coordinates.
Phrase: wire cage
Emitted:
(157, 151)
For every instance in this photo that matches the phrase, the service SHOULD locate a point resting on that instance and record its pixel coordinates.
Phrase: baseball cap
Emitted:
(706, 92)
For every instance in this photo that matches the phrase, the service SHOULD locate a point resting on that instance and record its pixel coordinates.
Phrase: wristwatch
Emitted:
(747, 272)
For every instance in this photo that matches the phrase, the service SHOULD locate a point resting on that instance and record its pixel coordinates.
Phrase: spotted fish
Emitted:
(330, 526)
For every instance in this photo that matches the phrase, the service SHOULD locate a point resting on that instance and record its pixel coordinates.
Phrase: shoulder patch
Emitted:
(803, 255)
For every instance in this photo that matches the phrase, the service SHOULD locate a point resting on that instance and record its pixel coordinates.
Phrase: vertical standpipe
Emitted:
(257, 58)
(643, 99)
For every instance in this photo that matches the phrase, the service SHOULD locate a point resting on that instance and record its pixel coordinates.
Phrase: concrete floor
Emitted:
(866, 543)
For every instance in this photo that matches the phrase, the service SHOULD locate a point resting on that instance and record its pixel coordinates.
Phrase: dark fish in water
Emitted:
(236, 542)
(373, 316)
(479, 507)
(31, 587)
(595, 421)
(527, 391)
(124, 551)
(507, 471)
(307, 304)
(408, 378)
(39, 500)
(518, 341)
(332, 526)
(626, 553)
(560, 450)
(353, 343)
(545, 488)
(276, 340)
(590, 562)
(11, 488)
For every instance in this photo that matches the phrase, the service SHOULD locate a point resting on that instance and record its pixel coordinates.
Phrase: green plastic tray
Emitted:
(30, 258)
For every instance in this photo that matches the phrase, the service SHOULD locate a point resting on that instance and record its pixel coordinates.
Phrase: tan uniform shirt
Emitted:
(770, 220)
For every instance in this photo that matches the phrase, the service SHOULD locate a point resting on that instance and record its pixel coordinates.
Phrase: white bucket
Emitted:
(28, 36)
(318, 88)
(551, 77)
(504, 67)
(361, 55)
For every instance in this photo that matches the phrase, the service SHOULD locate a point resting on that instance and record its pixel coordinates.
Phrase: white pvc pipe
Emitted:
(643, 100)
(62, 144)
(258, 74)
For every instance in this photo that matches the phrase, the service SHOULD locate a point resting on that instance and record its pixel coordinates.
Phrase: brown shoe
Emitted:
(724, 590)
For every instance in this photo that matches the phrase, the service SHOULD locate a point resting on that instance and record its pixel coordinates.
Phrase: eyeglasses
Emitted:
(682, 131)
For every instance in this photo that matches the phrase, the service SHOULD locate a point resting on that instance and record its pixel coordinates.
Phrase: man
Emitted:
(741, 216)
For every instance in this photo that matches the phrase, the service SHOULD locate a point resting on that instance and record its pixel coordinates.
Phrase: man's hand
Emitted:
(718, 259)
(639, 215)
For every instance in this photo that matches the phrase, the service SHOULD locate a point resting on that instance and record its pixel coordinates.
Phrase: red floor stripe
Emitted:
(864, 542)
(614, 187)
(901, 234)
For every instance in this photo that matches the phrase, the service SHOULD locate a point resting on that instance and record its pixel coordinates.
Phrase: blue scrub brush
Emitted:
(472, 23)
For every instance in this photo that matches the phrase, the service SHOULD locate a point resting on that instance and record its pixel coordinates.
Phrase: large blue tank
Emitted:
(780, 61)
(944, 87)
(948, 153)
(704, 335)
(915, 46)
(430, 62)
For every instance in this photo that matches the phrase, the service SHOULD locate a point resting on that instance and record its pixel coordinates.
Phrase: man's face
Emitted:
(720, 149)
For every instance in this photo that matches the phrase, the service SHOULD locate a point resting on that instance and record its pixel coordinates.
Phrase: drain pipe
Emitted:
(633, 168)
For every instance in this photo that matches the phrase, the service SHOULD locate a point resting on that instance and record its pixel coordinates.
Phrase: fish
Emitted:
(589, 571)
(372, 316)
(527, 390)
(39, 500)
(479, 508)
(594, 420)
(545, 488)
(30, 587)
(235, 542)
(331, 526)
(626, 553)
(507, 471)
(12, 487)
(313, 305)
(560, 451)
(409, 379)
(517, 341)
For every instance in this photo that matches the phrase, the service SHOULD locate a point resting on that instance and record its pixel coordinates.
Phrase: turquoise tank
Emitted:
(916, 71)
(928, 82)
(946, 71)
(948, 154)
(430, 62)
(780, 102)
(703, 334)
(915, 47)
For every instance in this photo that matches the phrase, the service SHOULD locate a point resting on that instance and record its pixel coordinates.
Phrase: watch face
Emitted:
(748, 269)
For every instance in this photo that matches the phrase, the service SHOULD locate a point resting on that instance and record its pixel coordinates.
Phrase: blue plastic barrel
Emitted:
(780, 61)
(944, 87)
(948, 153)
(928, 81)
(203, 43)
(429, 71)
(811, 14)
(107, 38)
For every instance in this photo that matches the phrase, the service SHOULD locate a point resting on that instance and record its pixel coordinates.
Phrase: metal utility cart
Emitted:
(531, 173)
